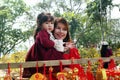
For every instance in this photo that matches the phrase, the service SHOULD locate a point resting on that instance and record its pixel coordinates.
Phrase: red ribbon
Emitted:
(112, 64)
(37, 76)
(61, 66)
(37, 66)
(72, 61)
(8, 73)
(50, 73)
(100, 63)
(20, 71)
(44, 67)
(89, 73)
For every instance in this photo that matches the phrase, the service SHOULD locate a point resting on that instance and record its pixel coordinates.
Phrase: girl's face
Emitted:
(60, 31)
(49, 26)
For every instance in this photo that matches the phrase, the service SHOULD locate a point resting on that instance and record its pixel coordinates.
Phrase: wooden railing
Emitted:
(55, 62)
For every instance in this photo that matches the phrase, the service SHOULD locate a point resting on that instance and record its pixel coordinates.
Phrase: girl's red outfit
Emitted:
(42, 49)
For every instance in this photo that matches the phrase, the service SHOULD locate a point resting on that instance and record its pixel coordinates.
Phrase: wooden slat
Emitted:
(54, 62)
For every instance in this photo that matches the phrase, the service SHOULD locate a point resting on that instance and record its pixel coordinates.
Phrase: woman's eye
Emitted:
(64, 29)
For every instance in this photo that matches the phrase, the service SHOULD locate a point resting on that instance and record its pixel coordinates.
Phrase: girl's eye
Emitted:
(52, 22)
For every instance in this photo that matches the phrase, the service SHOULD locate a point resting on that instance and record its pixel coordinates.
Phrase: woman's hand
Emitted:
(69, 44)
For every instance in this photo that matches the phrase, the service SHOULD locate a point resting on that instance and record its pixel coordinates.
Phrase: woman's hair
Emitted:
(64, 22)
(41, 18)
(104, 50)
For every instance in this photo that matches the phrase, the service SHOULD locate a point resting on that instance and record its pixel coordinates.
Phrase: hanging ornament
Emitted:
(101, 72)
(100, 63)
(38, 76)
(20, 71)
(75, 74)
(61, 67)
(67, 72)
(61, 76)
(50, 73)
(89, 73)
(7, 76)
(111, 69)
(112, 64)
(44, 71)
(80, 69)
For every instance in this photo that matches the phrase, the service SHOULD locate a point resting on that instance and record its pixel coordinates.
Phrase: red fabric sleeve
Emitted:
(74, 53)
(44, 38)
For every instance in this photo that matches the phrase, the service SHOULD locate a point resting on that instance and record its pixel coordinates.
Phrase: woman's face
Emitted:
(60, 31)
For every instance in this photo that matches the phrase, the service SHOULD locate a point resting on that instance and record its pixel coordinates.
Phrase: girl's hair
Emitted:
(41, 18)
(64, 22)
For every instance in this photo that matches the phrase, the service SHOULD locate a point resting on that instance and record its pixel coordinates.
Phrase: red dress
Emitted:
(41, 50)
(73, 53)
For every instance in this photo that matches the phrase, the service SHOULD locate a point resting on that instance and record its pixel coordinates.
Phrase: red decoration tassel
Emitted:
(112, 64)
(44, 66)
(37, 76)
(50, 73)
(8, 77)
(72, 61)
(100, 63)
(37, 67)
(61, 66)
(20, 72)
(89, 73)
(8, 73)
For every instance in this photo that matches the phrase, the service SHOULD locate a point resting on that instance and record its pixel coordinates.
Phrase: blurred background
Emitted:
(91, 22)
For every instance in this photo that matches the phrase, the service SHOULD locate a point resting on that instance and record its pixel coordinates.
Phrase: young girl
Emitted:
(43, 47)
(48, 25)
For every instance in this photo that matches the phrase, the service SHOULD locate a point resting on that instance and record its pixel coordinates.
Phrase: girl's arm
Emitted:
(44, 39)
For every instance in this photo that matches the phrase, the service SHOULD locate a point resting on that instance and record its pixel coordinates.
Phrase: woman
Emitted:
(61, 31)
(43, 48)
(105, 52)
